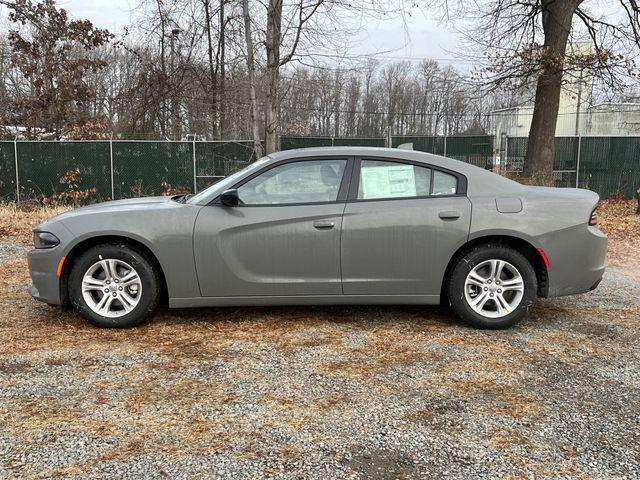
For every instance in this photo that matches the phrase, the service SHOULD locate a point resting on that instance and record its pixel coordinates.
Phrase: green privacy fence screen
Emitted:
(289, 143)
(123, 169)
(148, 168)
(116, 169)
(607, 165)
(610, 165)
(41, 165)
(477, 149)
(566, 153)
(7, 171)
(216, 160)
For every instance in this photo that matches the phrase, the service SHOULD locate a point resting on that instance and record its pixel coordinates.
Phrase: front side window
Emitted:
(380, 179)
(309, 181)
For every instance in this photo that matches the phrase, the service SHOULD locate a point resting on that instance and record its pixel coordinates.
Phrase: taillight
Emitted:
(593, 219)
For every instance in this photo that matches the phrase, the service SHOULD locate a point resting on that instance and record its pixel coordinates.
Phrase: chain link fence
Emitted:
(7, 171)
(607, 165)
(116, 169)
(290, 142)
(124, 169)
(474, 149)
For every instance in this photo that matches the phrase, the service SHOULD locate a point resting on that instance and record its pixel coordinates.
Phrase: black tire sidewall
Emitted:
(135, 258)
(472, 259)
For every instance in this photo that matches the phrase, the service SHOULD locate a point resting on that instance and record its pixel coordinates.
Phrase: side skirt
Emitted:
(304, 300)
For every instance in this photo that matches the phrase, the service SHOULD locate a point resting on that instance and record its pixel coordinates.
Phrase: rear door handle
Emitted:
(324, 224)
(449, 215)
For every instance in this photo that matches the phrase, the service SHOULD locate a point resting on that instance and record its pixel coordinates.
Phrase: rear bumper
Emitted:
(576, 259)
(42, 268)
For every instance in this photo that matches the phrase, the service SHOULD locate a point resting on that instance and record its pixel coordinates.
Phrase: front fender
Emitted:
(166, 232)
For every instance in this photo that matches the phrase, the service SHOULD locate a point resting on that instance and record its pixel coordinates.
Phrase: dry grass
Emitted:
(17, 222)
(618, 219)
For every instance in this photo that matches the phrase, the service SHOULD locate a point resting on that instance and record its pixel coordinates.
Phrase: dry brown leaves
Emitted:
(17, 222)
(618, 219)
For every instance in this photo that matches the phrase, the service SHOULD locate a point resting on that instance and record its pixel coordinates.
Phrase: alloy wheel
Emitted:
(494, 288)
(111, 288)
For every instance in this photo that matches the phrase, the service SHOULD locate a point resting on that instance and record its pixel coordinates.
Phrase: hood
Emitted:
(116, 206)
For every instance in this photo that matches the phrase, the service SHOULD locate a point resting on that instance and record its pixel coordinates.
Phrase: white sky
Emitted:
(417, 39)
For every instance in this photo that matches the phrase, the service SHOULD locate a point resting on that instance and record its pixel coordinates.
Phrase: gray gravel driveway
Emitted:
(331, 392)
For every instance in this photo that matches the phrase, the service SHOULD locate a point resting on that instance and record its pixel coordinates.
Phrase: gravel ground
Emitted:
(332, 392)
(10, 250)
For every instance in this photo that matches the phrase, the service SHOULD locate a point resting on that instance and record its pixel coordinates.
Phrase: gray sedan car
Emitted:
(327, 226)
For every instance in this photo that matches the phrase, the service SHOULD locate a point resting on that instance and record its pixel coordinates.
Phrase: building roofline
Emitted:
(603, 104)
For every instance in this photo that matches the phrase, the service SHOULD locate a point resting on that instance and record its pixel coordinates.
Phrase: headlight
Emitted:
(44, 240)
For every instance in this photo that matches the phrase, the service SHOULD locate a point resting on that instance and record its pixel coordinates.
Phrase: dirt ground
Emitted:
(331, 392)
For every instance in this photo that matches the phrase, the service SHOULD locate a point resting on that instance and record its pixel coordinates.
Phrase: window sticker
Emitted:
(388, 181)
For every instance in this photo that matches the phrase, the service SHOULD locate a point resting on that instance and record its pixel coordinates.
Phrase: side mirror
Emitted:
(229, 198)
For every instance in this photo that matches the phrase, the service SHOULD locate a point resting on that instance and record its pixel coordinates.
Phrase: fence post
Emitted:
(113, 195)
(195, 173)
(15, 157)
(578, 161)
(503, 152)
(445, 146)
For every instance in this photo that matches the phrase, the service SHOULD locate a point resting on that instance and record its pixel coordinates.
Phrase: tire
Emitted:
(129, 301)
(497, 310)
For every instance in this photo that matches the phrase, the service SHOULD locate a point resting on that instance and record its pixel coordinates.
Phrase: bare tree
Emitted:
(255, 126)
(163, 79)
(526, 42)
(52, 55)
(213, 65)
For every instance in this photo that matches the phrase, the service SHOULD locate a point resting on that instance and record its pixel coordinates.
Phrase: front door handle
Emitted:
(324, 224)
(449, 215)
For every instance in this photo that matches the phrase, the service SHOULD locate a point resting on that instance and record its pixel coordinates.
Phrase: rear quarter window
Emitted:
(444, 184)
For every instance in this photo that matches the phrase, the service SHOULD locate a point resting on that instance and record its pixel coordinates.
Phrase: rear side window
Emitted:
(380, 179)
(444, 184)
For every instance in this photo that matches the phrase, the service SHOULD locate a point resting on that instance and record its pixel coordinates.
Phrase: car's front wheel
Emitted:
(114, 286)
(492, 286)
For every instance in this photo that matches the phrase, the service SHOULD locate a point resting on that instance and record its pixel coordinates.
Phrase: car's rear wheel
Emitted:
(492, 286)
(114, 286)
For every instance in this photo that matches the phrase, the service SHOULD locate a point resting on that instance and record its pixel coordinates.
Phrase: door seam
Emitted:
(340, 248)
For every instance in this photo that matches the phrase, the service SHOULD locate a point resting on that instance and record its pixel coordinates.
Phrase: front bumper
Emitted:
(42, 268)
(576, 259)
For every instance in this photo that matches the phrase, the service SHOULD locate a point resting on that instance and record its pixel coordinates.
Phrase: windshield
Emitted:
(226, 182)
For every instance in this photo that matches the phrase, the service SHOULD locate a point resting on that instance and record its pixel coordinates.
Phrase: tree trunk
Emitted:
(336, 103)
(274, 27)
(176, 122)
(160, 113)
(213, 76)
(556, 23)
(638, 199)
(221, 90)
(255, 127)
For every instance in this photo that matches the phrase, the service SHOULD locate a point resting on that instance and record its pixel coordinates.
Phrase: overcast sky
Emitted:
(413, 39)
